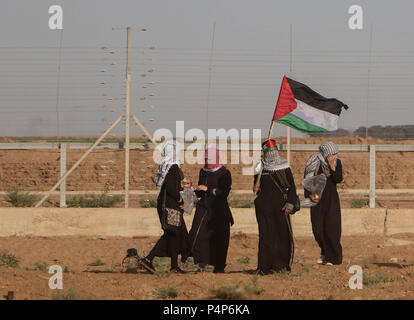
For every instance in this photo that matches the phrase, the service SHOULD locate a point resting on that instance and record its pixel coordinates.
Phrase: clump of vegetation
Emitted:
(9, 260)
(94, 201)
(283, 274)
(169, 292)
(148, 203)
(71, 294)
(42, 266)
(241, 203)
(66, 269)
(358, 203)
(20, 199)
(228, 293)
(96, 263)
(378, 278)
(244, 260)
(254, 287)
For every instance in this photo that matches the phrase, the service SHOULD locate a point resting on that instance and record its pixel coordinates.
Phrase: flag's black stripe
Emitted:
(314, 99)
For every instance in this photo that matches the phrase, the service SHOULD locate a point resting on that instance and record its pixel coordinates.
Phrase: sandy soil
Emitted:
(381, 258)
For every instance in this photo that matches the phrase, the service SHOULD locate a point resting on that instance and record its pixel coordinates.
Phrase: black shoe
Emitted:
(147, 264)
(177, 270)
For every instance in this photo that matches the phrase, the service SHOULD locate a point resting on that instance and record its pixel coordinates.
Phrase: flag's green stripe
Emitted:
(299, 124)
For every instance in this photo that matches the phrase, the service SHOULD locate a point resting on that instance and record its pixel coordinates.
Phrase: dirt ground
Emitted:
(388, 270)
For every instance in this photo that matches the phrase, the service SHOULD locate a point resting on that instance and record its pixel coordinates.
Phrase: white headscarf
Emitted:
(319, 159)
(172, 153)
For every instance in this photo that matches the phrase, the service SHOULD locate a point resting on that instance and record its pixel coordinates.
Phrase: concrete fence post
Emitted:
(372, 176)
(62, 173)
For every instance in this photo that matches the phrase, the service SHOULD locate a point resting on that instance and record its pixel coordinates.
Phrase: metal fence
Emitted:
(64, 147)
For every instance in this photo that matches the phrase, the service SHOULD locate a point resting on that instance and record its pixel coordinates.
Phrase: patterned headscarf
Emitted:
(325, 149)
(213, 160)
(172, 153)
(271, 159)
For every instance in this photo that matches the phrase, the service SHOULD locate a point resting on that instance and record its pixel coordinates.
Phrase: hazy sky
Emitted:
(252, 53)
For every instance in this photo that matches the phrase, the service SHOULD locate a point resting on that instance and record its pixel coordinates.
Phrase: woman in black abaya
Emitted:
(273, 211)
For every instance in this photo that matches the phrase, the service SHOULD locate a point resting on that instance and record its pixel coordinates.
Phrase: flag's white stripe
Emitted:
(316, 116)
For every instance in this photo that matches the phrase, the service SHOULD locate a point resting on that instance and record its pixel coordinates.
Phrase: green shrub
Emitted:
(358, 203)
(71, 294)
(40, 266)
(94, 201)
(254, 287)
(148, 203)
(9, 260)
(165, 293)
(20, 199)
(244, 260)
(97, 263)
(228, 293)
(378, 278)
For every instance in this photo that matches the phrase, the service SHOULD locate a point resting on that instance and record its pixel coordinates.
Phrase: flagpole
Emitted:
(209, 80)
(268, 137)
(288, 131)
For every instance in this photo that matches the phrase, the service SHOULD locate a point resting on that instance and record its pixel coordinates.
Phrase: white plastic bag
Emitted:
(189, 198)
(315, 185)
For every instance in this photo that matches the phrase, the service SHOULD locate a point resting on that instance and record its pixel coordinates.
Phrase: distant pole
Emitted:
(58, 85)
(127, 117)
(369, 79)
(210, 68)
(288, 132)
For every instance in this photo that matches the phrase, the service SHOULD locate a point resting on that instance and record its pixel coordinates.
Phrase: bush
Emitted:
(228, 293)
(9, 260)
(21, 199)
(378, 278)
(71, 294)
(93, 201)
(244, 260)
(40, 266)
(97, 263)
(148, 203)
(254, 288)
(358, 203)
(165, 293)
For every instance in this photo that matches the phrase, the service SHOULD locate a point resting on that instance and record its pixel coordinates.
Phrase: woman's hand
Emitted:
(202, 187)
(287, 211)
(314, 198)
(255, 189)
(331, 162)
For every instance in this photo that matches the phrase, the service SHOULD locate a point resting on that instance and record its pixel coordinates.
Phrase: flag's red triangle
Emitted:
(286, 102)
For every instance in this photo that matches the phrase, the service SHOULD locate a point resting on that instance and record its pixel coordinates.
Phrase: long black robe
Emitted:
(275, 238)
(175, 242)
(326, 218)
(210, 231)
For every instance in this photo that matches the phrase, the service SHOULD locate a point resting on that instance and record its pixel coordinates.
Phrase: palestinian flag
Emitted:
(305, 110)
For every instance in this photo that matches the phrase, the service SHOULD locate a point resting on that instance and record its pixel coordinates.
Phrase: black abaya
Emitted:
(326, 218)
(275, 238)
(175, 242)
(210, 231)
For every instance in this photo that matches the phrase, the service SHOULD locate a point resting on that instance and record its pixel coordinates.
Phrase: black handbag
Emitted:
(170, 218)
(296, 205)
